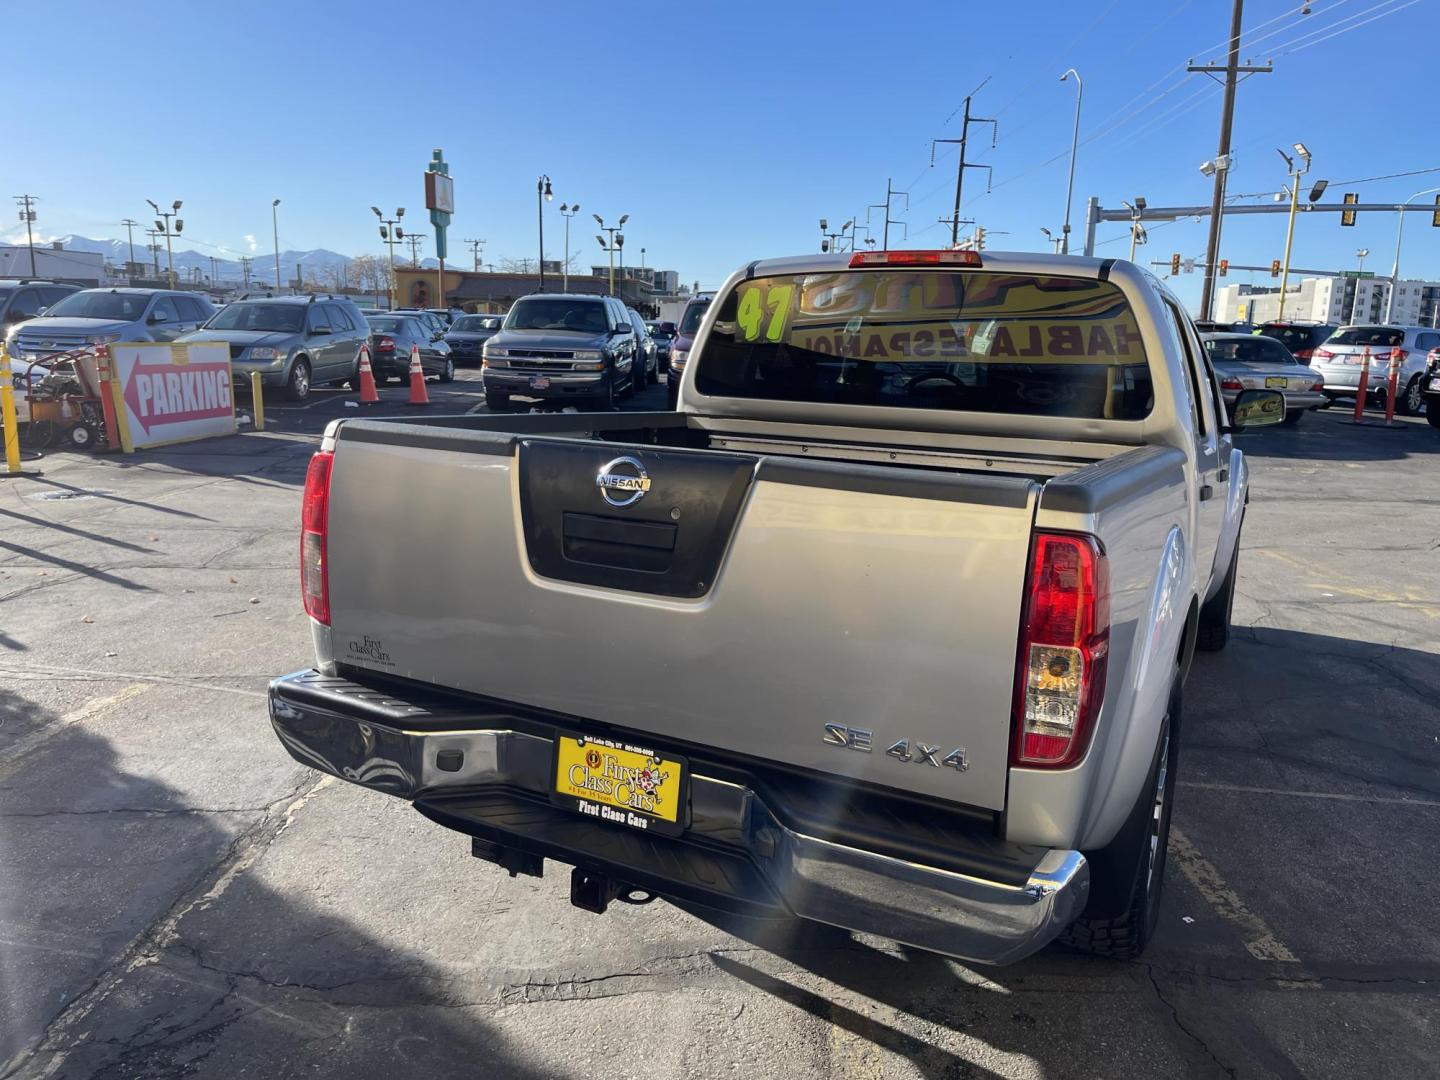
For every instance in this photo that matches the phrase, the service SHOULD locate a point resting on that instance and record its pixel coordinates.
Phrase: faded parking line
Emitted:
(1338, 796)
(1260, 941)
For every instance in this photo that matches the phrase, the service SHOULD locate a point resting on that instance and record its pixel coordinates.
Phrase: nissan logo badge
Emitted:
(623, 482)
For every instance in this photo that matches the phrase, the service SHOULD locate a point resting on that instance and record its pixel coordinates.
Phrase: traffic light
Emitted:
(1224, 267)
(1174, 264)
(1347, 217)
(979, 237)
(1435, 217)
(1274, 267)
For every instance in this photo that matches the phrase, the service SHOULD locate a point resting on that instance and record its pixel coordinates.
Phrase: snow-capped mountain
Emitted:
(319, 262)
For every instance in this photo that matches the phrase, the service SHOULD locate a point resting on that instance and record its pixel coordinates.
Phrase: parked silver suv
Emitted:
(1340, 358)
(292, 341)
(102, 316)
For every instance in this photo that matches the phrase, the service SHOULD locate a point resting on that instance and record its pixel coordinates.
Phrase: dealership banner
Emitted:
(168, 393)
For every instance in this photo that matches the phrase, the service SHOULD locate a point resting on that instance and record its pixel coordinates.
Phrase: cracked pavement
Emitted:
(179, 898)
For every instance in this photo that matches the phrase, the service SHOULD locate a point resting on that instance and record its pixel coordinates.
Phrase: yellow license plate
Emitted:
(1275, 384)
(622, 783)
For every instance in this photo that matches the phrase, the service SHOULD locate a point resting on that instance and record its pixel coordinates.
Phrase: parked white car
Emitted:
(1339, 361)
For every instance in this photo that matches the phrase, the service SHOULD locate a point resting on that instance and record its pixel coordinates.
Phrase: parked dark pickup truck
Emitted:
(886, 627)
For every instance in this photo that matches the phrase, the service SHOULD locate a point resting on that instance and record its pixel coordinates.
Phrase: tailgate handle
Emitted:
(606, 530)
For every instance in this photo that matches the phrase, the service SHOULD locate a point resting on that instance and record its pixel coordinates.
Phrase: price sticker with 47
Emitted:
(763, 312)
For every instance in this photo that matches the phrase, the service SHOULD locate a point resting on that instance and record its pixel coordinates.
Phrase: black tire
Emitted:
(297, 387)
(1432, 411)
(82, 437)
(1411, 400)
(608, 396)
(672, 394)
(639, 372)
(629, 389)
(1213, 630)
(497, 402)
(1127, 877)
(1292, 416)
(37, 434)
(447, 373)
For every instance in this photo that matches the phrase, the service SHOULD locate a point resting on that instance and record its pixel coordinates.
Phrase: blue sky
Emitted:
(725, 131)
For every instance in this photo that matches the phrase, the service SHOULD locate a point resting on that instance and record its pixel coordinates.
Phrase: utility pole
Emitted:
(27, 215)
(130, 234)
(245, 269)
(1232, 70)
(955, 223)
(954, 219)
(890, 193)
(414, 239)
(154, 248)
(475, 246)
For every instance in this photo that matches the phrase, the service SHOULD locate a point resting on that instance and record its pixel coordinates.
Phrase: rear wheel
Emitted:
(1411, 399)
(498, 402)
(447, 373)
(1128, 875)
(298, 387)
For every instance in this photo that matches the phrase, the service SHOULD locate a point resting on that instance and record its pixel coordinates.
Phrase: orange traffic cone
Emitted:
(368, 396)
(418, 394)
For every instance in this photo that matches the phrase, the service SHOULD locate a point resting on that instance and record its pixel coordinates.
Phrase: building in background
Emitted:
(53, 263)
(481, 291)
(1332, 300)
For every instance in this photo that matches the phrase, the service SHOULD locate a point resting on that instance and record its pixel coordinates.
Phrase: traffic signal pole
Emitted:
(1289, 242)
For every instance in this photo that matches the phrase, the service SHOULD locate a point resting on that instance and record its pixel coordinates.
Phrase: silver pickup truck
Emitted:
(885, 627)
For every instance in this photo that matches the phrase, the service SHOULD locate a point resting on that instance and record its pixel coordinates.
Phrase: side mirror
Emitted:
(157, 317)
(1257, 408)
(320, 331)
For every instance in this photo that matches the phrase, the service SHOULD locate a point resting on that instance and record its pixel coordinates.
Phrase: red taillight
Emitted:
(1064, 643)
(1231, 384)
(1324, 354)
(385, 344)
(915, 258)
(1303, 354)
(1317, 385)
(314, 525)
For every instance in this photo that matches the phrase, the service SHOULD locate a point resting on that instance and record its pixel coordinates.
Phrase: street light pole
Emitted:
(1074, 147)
(1359, 273)
(392, 234)
(1395, 266)
(167, 231)
(275, 229)
(611, 247)
(1295, 173)
(542, 192)
(567, 212)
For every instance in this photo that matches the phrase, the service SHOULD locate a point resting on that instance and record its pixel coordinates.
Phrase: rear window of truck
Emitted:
(930, 339)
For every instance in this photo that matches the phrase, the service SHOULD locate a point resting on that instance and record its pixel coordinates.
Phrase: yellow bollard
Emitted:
(7, 414)
(257, 395)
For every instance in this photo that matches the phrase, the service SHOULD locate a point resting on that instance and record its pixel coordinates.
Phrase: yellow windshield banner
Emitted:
(897, 317)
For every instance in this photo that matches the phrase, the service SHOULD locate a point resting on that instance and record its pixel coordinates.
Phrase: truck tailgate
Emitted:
(742, 603)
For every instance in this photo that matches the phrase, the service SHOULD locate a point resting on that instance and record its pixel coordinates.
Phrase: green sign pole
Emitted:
(439, 198)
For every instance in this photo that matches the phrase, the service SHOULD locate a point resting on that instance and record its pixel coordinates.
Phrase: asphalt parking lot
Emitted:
(178, 897)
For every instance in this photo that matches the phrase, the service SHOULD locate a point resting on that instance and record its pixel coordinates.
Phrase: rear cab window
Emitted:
(971, 340)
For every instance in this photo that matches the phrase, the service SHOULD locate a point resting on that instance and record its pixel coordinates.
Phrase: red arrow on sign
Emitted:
(164, 394)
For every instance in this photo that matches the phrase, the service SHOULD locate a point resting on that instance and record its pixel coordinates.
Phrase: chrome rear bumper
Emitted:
(741, 845)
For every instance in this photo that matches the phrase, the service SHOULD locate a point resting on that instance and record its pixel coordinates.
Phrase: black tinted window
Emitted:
(690, 321)
(318, 319)
(1384, 336)
(26, 302)
(340, 318)
(191, 310)
(1292, 337)
(972, 341)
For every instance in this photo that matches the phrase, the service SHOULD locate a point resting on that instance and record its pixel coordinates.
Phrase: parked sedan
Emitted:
(1257, 362)
(468, 335)
(391, 338)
